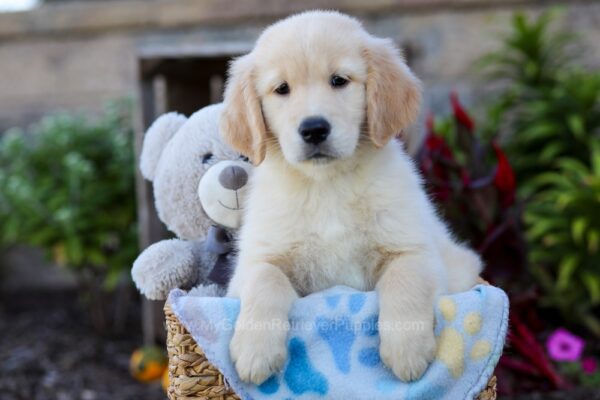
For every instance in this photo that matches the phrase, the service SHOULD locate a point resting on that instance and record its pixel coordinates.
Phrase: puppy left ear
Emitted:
(393, 92)
(242, 123)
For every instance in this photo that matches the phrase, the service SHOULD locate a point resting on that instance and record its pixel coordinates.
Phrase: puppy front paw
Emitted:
(259, 350)
(407, 353)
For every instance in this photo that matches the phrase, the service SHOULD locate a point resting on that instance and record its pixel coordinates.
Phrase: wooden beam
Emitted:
(150, 229)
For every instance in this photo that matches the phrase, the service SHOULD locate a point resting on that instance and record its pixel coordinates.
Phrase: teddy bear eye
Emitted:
(206, 158)
(244, 158)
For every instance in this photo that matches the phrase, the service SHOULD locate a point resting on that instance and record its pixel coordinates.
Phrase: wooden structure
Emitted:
(183, 81)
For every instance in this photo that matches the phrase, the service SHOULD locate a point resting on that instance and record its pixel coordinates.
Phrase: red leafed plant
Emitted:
(473, 185)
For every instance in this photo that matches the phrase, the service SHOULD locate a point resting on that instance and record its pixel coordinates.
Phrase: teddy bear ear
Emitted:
(156, 139)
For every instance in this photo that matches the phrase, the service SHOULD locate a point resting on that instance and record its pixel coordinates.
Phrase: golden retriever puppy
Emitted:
(333, 201)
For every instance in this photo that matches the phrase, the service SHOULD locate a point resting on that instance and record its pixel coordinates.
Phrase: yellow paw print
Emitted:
(451, 343)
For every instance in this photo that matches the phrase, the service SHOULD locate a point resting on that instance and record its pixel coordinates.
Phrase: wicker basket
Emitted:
(192, 377)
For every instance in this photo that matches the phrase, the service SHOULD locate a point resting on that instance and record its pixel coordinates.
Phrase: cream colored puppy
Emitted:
(333, 201)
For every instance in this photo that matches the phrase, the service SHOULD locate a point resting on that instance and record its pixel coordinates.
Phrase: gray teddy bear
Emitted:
(199, 184)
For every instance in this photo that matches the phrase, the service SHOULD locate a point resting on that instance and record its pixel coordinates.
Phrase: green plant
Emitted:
(532, 54)
(557, 122)
(67, 186)
(549, 113)
(563, 216)
(473, 185)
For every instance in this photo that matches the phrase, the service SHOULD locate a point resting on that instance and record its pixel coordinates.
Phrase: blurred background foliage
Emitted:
(549, 115)
(67, 186)
(523, 188)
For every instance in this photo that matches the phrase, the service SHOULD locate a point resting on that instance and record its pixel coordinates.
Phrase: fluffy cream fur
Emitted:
(359, 218)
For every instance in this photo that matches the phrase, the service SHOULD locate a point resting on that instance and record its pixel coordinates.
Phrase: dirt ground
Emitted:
(49, 352)
(573, 394)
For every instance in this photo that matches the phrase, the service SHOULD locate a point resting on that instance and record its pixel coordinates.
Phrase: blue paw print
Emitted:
(300, 375)
(356, 302)
(270, 386)
(369, 357)
(369, 326)
(340, 333)
(333, 300)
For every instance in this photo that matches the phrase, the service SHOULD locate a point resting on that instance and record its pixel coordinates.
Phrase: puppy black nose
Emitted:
(233, 177)
(314, 130)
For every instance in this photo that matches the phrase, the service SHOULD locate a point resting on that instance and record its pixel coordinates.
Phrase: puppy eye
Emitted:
(244, 158)
(338, 81)
(283, 89)
(206, 158)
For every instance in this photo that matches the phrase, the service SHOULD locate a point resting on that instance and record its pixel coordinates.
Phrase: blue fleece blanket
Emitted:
(333, 346)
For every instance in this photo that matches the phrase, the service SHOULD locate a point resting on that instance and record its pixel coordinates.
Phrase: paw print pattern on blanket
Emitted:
(299, 375)
(341, 333)
(452, 343)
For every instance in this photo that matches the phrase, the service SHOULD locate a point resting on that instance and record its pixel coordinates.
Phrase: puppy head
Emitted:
(314, 85)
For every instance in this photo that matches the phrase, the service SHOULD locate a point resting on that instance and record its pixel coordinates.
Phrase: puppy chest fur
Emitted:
(329, 249)
(323, 233)
(322, 244)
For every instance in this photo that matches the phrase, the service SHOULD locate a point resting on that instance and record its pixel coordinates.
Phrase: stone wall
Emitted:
(76, 56)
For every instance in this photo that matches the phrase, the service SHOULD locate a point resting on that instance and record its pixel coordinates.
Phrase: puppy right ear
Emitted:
(393, 92)
(242, 123)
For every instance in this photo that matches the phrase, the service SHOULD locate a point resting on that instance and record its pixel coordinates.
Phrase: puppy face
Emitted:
(312, 89)
(314, 84)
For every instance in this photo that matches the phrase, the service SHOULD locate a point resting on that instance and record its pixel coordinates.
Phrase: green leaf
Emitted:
(542, 226)
(595, 154)
(566, 268)
(593, 239)
(573, 166)
(551, 151)
(577, 126)
(550, 178)
(592, 283)
(578, 228)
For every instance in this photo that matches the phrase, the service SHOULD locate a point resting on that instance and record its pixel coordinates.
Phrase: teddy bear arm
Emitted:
(166, 265)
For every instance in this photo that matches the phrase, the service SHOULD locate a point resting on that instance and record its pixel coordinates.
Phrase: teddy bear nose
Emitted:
(233, 177)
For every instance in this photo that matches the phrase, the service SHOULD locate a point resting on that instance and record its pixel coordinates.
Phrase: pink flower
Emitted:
(589, 365)
(562, 345)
